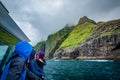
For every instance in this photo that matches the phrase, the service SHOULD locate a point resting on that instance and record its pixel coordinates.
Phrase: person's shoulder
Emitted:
(18, 60)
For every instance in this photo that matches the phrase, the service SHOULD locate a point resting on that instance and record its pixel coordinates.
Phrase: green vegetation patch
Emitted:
(80, 33)
(109, 28)
(55, 40)
(110, 33)
(39, 45)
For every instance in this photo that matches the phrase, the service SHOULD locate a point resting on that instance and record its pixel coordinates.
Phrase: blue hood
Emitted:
(23, 49)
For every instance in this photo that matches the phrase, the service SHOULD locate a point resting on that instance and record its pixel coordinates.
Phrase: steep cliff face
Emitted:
(40, 46)
(101, 42)
(54, 41)
(85, 19)
(87, 40)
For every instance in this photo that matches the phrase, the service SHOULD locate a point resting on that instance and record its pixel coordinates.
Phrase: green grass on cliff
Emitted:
(109, 28)
(56, 39)
(110, 33)
(80, 33)
(39, 45)
(5, 36)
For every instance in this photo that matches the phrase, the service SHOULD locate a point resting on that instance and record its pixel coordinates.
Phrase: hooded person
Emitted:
(41, 61)
(15, 68)
(33, 67)
(41, 55)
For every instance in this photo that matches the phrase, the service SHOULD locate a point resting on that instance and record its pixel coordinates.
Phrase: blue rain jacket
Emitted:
(15, 70)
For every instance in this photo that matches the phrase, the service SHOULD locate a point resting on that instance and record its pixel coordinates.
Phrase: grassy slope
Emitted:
(39, 45)
(80, 33)
(53, 39)
(107, 28)
(114, 28)
(84, 31)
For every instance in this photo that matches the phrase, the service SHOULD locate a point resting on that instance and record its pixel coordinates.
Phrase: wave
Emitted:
(56, 60)
(100, 60)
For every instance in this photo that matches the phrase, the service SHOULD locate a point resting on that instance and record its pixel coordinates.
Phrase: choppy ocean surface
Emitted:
(82, 70)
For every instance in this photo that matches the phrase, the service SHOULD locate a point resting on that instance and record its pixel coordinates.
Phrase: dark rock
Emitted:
(55, 40)
(40, 46)
(85, 19)
(99, 48)
(104, 43)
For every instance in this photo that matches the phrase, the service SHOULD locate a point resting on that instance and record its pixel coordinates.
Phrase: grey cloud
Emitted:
(48, 16)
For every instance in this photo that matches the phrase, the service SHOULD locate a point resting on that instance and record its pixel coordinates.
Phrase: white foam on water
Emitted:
(56, 60)
(100, 60)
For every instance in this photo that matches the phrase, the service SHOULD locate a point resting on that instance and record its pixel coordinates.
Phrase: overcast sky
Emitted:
(39, 18)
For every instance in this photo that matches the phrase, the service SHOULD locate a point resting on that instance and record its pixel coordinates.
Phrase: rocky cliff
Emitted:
(102, 42)
(87, 40)
(54, 41)
(40, 46)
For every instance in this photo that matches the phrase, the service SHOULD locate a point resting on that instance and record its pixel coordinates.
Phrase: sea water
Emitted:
(82, 70)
